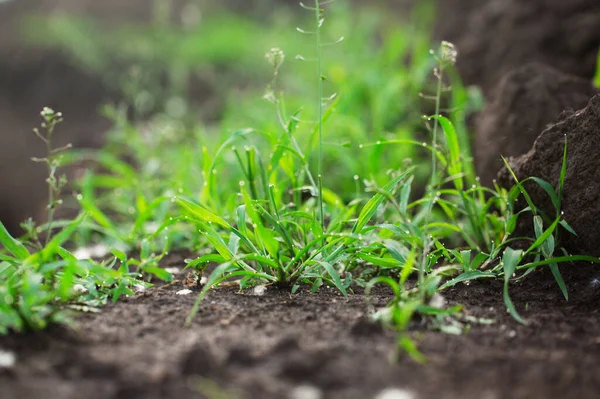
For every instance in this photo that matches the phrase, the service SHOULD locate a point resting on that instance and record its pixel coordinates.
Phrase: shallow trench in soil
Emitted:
(280, 345)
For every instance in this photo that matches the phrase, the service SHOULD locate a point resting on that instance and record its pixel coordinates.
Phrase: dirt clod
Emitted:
(524, 103)
(581, 195)
(495, 36)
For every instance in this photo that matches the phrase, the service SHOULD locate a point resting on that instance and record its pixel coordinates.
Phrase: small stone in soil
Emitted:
(395, 393)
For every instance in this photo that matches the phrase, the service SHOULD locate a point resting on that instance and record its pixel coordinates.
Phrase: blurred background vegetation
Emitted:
(181, 67)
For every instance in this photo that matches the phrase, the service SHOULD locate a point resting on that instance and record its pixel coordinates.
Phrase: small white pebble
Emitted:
(259, 290)
(184, 291)
(95, 251)
(395, 393)
(139, 288)
(7, 359)
(173, 270)
(306, 392)
(437, 301)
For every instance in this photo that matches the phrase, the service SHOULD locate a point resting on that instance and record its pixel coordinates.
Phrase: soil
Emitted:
(581, 192)
(495, 36)
(268, 346)
(526, 101)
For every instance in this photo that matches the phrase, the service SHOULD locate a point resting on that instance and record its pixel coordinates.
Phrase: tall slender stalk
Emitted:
(318, 23)
(51, 119)
(446, 56)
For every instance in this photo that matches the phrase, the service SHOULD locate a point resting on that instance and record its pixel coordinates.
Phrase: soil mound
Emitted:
(581, 196)
(495, 36)
(524, 103)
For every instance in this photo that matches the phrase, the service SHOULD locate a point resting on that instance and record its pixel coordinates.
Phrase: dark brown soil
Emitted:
(581, 197)
(267, 346)
(495, 36)
(526, 101)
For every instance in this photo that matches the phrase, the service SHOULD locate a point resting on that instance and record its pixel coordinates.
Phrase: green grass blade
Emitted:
(334, 276)
(510, 260)
(548, 189)
(371, 206)
(11, 244)
(200, 212)
(559, 280)
(467, 276)
(454, 165)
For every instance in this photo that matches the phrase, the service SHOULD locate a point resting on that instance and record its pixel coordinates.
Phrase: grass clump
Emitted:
(40, 279)
(354, 190)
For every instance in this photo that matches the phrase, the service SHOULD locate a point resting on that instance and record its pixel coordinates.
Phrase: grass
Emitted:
(331, 176)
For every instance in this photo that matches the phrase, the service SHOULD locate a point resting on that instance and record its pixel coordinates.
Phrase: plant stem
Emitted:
(48, 142)
(320, 122)
(433, 182)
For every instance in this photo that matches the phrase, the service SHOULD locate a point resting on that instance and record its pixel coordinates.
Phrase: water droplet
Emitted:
(360, 146)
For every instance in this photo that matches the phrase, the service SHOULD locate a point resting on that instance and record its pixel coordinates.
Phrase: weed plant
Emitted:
(40, 280)
(340, 181)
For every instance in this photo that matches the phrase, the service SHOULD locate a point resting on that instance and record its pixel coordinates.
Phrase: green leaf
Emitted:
(467, 276)
(454, 164)
(371, 207)
(559, 280)
(11, 244)
(510, 260)
(548, 189)
(58, 239)
(520, 187)
(547, 246)
(542, 237)
(159, 272)
(567, 227)
(334, 276)
(200, 212)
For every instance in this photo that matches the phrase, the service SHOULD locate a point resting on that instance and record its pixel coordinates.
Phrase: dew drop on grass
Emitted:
(79, 197)
(242, 183)
(378, 142)
(356, 177)
(360, 146)
(424, 144)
